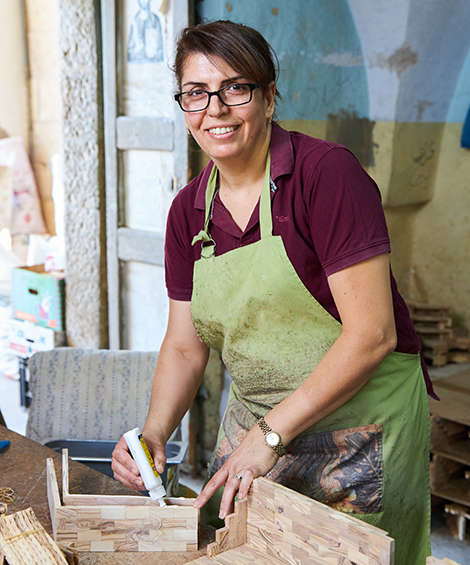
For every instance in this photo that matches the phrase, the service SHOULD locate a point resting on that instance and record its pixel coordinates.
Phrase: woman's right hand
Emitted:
(125, 469)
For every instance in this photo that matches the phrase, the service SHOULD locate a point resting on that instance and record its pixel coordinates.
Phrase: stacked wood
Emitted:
(450, 449)
(440, 342)
(24, 541)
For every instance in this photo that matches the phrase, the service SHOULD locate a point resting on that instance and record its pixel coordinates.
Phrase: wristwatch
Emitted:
(272, 439)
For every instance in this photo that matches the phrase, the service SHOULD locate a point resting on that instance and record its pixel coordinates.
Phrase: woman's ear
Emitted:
(269, 97)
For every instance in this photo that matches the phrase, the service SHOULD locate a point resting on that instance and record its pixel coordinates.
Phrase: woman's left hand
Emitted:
(252, 458)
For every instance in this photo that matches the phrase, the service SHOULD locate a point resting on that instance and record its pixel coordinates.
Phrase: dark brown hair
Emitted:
(242, 47)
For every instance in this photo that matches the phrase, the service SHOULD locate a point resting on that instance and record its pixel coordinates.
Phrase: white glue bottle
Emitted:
(141, 454)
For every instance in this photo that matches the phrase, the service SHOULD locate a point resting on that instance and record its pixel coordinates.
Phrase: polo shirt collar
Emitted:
(282, 162)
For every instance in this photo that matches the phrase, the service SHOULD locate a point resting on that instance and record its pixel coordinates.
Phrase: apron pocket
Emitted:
(342, 468)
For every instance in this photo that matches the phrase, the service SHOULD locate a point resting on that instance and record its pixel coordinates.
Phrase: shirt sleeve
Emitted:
(347, 222)
(179, 258)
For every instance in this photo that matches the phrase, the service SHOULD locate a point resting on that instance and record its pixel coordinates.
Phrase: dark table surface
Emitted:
(23, 468)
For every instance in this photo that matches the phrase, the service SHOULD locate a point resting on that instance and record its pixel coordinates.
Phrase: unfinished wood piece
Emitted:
(119, 523)
(285, 527)
(233, 534)
(448, 480)
(435, 561)
(454, 393)
(23, 541)
(460, 514)
(458, 356)
(450, 439)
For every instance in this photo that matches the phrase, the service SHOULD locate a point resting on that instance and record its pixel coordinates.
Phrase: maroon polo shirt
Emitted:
(325, 207)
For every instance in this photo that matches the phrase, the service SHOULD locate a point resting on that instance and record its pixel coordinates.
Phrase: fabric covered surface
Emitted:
(88, 394)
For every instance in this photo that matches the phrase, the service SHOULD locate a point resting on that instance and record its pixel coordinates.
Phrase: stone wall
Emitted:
(83, 173)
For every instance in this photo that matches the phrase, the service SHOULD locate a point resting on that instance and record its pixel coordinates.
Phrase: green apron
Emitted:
(370, 457)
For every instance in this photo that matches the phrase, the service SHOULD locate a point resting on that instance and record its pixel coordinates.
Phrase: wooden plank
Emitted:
(458, 356)
(145, 133)
(120, 500)
(454, 393)
(435, 561)
(140, 245)
(448, 480)
(53, 497)
(234, 532)
(108, 34)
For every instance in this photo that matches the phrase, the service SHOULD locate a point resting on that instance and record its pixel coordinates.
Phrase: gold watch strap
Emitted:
(279, 448)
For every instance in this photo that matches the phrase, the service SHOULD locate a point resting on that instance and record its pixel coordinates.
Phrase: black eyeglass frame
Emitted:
(252, 86)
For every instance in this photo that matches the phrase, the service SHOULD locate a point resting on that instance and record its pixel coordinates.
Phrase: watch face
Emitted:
(272, 439)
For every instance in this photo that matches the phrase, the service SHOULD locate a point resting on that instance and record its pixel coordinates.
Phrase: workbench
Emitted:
(23, 468)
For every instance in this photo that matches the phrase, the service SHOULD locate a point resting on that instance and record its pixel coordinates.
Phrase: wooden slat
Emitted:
(145, 133)
(454, 393)
(140, 245)
(108, 32)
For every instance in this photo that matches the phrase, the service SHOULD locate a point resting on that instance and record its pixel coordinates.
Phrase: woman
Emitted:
(277, 256)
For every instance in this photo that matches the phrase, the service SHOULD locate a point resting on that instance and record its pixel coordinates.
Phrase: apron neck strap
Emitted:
(265, 216)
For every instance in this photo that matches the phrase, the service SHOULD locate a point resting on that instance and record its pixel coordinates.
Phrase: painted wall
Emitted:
(391, 80)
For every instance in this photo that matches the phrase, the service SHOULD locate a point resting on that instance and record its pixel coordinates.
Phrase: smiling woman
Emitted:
(277, 257)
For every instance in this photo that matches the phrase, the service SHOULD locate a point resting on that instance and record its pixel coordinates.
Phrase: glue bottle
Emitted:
(141, 454)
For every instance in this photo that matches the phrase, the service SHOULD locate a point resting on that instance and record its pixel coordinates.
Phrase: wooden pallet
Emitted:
(450, 449)
(440, 344)
(87, 522)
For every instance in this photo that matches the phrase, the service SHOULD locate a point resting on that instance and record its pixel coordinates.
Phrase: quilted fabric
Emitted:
(88, 394)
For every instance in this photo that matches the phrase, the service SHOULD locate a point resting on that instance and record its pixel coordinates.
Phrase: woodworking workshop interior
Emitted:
(235, 282)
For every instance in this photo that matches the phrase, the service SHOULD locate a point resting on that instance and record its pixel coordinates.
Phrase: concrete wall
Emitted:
(391, 80)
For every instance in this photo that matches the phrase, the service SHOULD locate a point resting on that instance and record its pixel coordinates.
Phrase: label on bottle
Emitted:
(147, 454)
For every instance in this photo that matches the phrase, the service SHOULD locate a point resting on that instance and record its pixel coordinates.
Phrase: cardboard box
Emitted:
(26, 338)
(38, 296)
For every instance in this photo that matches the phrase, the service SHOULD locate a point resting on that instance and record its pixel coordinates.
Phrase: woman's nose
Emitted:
(216, 107)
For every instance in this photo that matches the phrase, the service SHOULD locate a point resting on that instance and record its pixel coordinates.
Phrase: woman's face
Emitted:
(248, 124)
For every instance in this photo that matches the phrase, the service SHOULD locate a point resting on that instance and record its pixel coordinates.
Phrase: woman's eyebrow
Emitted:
(225, 81)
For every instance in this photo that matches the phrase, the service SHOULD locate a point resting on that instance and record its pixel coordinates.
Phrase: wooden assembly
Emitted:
(276, 525)
(86, 522)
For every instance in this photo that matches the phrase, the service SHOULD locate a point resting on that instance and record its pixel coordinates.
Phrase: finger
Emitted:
(126, 483)
(245, 483)
(159, 458)
(122, 474)
(122, 455)
(226, 504)
(217, 481)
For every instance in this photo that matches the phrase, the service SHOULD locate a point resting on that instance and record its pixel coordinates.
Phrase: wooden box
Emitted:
(87, 522)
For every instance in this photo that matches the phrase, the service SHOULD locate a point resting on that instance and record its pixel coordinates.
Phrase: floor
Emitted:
(442, 542)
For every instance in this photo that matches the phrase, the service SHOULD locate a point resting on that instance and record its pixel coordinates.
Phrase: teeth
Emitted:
(219, 131)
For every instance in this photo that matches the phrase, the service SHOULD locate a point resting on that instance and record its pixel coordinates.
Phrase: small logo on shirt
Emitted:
(282, 218)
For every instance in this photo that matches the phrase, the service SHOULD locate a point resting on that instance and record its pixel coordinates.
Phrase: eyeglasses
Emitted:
(234, 94)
